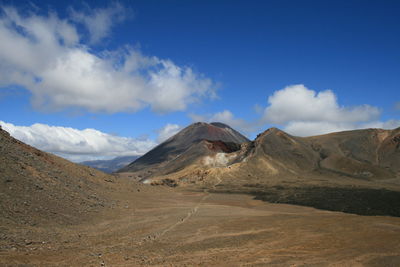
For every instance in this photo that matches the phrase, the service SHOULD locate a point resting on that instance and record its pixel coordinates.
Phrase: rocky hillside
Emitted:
(39, 188)
(370, 154)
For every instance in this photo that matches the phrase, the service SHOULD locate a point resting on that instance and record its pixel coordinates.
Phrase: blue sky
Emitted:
(100, 79)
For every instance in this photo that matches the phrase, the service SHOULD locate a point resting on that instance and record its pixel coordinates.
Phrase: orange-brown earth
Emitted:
(165, 227)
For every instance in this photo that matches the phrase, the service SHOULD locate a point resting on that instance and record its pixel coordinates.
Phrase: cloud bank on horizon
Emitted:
(78, 145)
(51, 58)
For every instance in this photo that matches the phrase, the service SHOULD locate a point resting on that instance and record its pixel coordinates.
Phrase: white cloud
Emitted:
(308, 128)
(298, 103)
(99, 21)
(228, 118)
(198, 118)
(258, 109)
(304, 112)
(390, 124)
(167, 131)
(48, 56)
(77, 145)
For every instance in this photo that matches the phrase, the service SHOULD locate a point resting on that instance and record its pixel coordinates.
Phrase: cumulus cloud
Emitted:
(49, 56)
(228, 118)
(167, 131)
(302, 111)
(390, 124)
(99, 21)
(77, 145)
(308, 128)
(298, 103)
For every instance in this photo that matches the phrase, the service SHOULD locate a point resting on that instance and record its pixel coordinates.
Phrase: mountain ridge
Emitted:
(366, 153)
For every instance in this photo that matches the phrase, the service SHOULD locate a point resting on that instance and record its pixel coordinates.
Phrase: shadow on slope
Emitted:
(361, 201)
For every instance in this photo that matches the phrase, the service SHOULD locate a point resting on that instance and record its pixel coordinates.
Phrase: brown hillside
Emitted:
(40, 188)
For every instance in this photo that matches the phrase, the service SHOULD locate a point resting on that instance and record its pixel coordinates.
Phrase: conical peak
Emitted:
(216, 124)
(185, 139)
(210, 131)
(272, 130)
(220, 125)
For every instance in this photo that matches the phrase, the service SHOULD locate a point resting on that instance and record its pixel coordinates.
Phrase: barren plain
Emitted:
(159, 226)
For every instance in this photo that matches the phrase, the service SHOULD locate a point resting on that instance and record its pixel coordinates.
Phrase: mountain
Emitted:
(185, 148)
(366, 155)
(353, 171)
(112, 165)
(40, 188)
(370, 154)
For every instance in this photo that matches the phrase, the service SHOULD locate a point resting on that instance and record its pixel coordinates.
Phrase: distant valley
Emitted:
(111, 165)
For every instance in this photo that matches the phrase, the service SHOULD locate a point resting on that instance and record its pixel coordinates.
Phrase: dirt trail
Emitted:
(183, 220)
(217, 183)
(190, 213)
(229, 230)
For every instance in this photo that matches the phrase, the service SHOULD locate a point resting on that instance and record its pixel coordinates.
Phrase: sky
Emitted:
(99, 79)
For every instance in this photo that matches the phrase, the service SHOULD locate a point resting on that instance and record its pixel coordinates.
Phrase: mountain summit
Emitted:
(190, 144)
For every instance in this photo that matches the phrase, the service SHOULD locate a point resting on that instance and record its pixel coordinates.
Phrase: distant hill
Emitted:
(112, 165)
